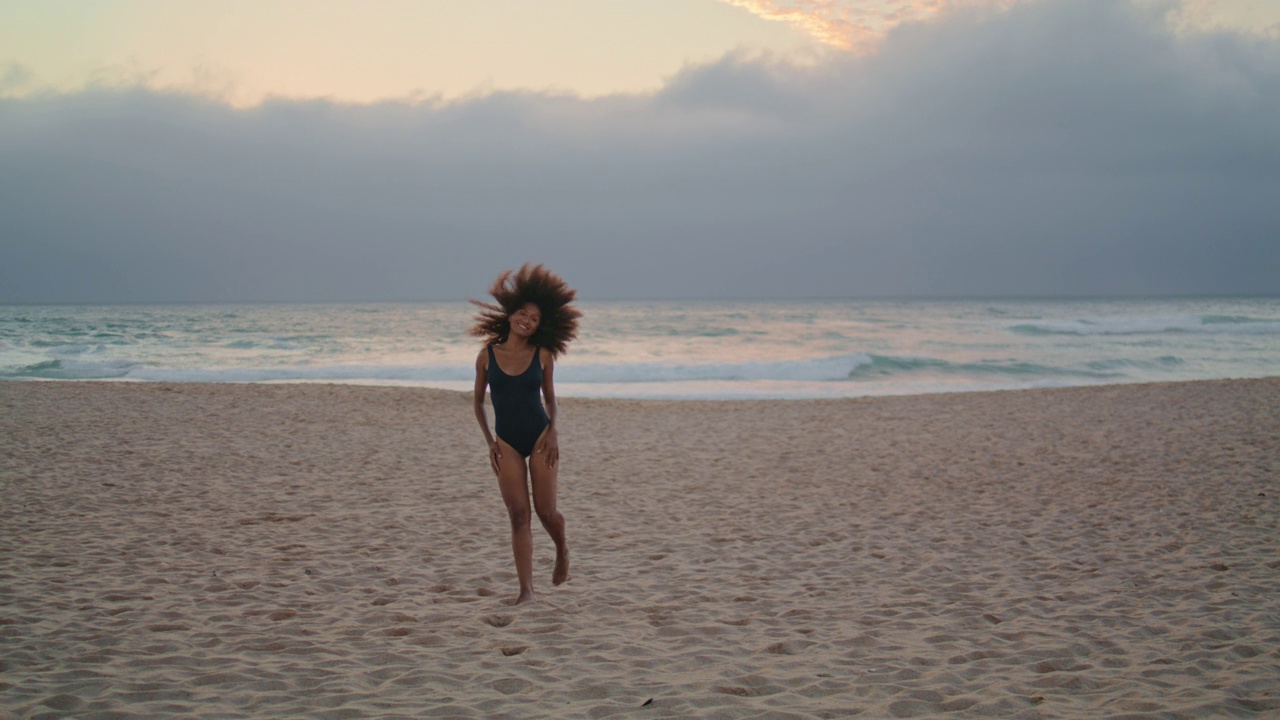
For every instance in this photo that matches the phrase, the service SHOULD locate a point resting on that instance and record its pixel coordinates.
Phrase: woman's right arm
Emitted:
(482, 374)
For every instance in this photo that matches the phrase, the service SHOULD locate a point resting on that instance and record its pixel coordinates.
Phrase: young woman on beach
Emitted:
(532, 323)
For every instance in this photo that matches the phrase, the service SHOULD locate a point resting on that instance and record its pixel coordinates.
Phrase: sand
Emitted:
(341, 552)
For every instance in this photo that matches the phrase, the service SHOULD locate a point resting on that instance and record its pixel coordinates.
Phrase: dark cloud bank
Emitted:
(1069, 147)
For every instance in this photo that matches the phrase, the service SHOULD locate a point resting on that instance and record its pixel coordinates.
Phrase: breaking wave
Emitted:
(838, 368)
(1148, 325)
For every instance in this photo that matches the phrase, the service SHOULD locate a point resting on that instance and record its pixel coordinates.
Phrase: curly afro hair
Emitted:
(530, 284)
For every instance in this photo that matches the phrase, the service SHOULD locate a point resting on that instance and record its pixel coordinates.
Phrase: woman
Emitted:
(531, 325)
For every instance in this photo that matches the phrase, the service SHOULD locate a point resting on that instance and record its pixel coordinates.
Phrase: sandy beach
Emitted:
(325, 551)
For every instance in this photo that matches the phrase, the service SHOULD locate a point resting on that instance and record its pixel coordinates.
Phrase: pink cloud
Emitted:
(854, 26)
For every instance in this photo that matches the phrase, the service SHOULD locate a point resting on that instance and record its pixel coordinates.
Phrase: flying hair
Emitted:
(530, 284)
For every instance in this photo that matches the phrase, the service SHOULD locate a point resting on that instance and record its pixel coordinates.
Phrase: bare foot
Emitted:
(560, 575)
(525, 596)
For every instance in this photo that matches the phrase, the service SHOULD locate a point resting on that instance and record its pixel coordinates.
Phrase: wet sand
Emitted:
(341, 552)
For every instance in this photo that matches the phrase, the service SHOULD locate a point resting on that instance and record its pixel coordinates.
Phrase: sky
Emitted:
(317, 150)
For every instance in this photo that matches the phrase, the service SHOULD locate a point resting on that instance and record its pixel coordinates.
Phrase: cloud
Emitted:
(1075, 147)
(861, 25)
(854, 25)
(826, 21)
(15, 76)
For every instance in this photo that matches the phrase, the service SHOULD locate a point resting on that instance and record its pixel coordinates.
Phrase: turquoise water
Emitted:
(667, 349)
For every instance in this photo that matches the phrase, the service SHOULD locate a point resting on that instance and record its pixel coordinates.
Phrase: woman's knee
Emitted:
(549, 516)
(519, 517)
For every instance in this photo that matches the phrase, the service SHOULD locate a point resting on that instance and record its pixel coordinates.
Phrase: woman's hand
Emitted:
(549, 447)
(495, 455)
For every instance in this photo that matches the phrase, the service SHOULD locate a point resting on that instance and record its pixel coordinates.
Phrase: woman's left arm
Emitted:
(550, 441)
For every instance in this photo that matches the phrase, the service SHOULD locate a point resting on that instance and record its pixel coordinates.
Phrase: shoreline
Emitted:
(333, 550)
(412, 386)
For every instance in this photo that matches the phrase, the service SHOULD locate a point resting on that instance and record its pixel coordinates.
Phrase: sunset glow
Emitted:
(243, 53)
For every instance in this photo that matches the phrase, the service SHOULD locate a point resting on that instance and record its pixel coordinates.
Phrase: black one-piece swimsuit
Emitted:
(519, 417)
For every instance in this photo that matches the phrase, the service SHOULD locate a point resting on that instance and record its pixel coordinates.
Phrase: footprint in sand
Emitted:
(733, 690)
(498, 621)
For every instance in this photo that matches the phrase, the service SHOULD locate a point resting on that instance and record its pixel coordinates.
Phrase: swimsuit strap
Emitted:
(537, 358)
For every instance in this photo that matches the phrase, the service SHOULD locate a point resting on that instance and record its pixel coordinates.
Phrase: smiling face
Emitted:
(525, 321)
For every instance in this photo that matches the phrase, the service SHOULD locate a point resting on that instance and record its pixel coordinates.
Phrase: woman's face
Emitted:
(524, 322)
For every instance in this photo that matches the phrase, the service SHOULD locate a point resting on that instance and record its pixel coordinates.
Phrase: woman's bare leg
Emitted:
(513, 482)
(544, 502)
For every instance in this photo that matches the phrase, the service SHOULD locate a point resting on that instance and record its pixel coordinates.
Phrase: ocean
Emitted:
(667, 349)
